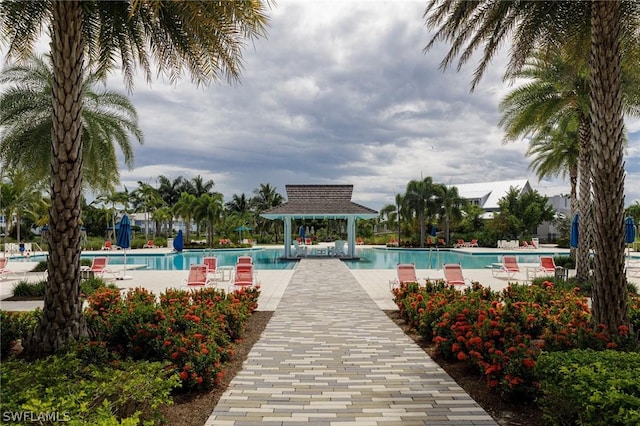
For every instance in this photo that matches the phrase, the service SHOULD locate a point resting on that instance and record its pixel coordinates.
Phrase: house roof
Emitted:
(489, 193)
(319, 201)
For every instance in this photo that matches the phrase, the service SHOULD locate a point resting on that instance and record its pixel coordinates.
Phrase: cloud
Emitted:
(339, 92)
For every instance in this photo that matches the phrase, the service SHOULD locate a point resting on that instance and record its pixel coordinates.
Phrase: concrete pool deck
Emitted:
(273, 282)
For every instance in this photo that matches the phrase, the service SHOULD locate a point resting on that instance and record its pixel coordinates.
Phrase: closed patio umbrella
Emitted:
(123, 240)
(629, 235)
(573, 240)
(178, 242)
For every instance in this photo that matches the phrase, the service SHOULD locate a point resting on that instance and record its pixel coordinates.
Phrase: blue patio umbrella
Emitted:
(575, 223)
(434, 231)
(629, 235)
(123, 240)
(629, 230)
(178, 242)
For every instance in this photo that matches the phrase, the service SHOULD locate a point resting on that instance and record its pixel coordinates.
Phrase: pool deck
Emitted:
(273, 282)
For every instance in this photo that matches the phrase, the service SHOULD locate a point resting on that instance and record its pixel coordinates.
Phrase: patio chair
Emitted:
(405, 273)
(509, 267)
(107, 245)
(244, 259)
(149, 244)
(213, 273)
(460, 243)
(99, 267)
(4, 272)
(243, 276)
(547, 265)
(197, 276)
(308, 241)
(473, 243)
(359, 241)
(453, 274)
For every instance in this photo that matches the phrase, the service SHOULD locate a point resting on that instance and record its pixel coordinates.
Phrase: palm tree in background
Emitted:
(209, 209)
(420, 200)
(264, 198)
(197, 186)
(147, 199)
(108, 119)
(451, 203)
(170, 191)
(205, 38)
(529, 25)
(184, 208)
(20, 195)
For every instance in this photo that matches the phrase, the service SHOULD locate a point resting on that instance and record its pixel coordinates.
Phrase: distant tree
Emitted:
(523, 213)
(266, 197)
(146, 199)
(184, 208)
(170, 191)
(634, 211)
(209, 209)
(19, 195)
(420, 199)
(451, 204)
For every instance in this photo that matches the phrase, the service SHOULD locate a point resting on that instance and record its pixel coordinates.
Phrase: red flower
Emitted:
(462, 356)
(183, 375)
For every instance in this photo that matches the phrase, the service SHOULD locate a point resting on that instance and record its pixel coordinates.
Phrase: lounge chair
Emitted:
(359, 241)
(149, 244)
(299, 250)
(405, 273)
(453, 274)
(243, 276)
(308, 241)
(3, 267)
(460, 243)
(473, 243)
(244, 259)
(99, 267)
(392, 242)
(107, 245)
(197, 276)
(509, 267)
(213, 273)
(547, 265)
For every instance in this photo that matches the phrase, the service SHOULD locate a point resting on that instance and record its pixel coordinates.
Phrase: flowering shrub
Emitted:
(193, 330)
(501, 334)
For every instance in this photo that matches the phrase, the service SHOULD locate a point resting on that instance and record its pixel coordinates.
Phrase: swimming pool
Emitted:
(370, 258)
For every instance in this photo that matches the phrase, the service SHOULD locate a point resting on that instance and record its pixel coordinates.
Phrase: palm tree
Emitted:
(420, 199)
(146, 198)
(108, 118)
(170, 191)
(197, 186)
(20, 195)
(528, 25)
(264, 198)
(209, 208)
(184, 209)
(451, 204)
(202, 37)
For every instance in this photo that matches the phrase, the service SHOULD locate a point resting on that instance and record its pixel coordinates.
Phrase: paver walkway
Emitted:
(330, 356)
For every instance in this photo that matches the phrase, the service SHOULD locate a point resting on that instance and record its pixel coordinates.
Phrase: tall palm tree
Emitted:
(202, 37)
(264, 198)
(420, 199)
(197, 186)
(209, 209)
(527, 25)
(184, 209)
(108, 119)
(170, 191)
(20, 195)
(451, 203)
(147, 199)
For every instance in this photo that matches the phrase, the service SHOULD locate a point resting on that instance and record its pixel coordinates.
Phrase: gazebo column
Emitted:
(351, 236)
(287, 236)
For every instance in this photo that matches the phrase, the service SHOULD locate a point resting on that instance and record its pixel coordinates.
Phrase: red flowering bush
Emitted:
(193, 330)
(501, 334)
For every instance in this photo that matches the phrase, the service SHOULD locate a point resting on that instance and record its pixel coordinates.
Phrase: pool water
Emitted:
(370, 258)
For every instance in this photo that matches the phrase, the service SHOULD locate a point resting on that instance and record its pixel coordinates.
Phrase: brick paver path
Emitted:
(329, 356)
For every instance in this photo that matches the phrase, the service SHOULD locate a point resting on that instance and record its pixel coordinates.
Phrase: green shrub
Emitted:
(16, 326)
(40, 267)
(85, 393)
(585, 387)
(91, 285)
(27, 289)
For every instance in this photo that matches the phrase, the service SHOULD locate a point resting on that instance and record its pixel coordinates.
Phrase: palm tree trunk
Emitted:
(62, 320)
(584, 204)
(609, 288)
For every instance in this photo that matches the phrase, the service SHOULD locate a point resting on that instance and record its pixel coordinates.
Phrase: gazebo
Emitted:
(320, 202)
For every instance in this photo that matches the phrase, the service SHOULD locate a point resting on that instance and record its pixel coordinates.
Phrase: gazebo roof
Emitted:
(319, 202)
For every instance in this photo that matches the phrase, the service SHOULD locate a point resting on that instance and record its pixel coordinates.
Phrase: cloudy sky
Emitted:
(339, 93)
